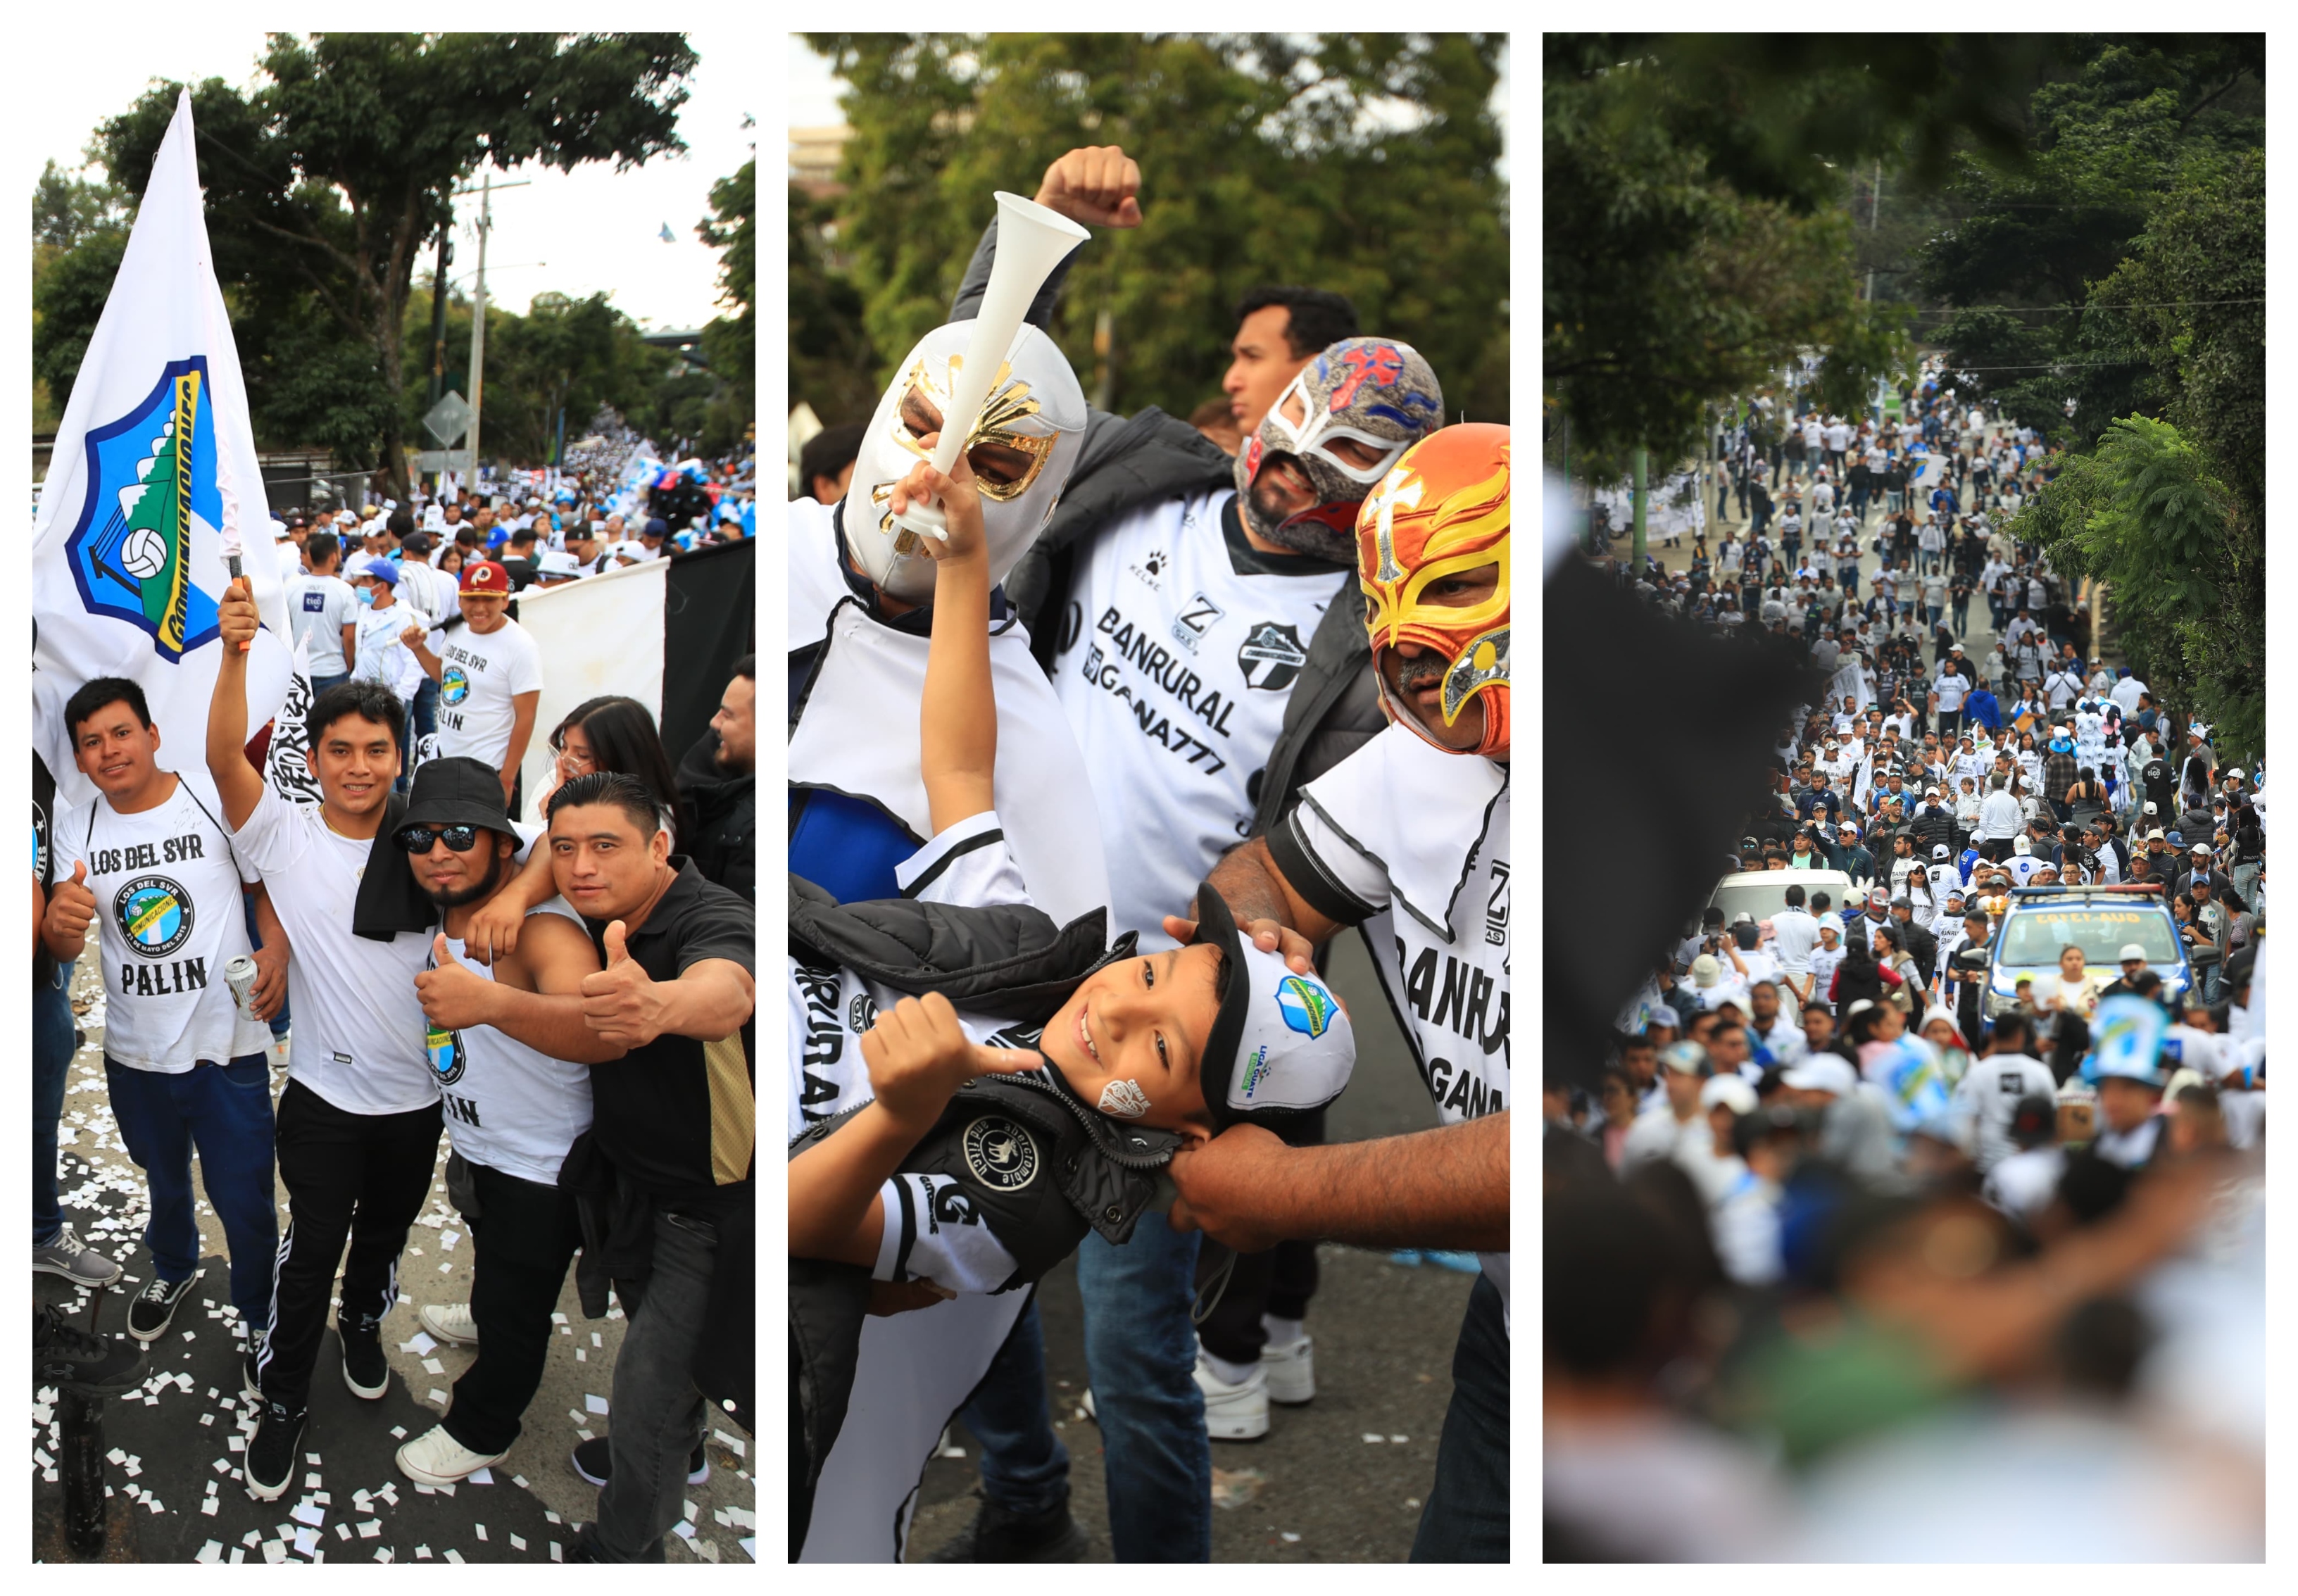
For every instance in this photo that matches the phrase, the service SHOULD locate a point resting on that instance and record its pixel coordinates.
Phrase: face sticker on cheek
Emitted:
(1124, 1100)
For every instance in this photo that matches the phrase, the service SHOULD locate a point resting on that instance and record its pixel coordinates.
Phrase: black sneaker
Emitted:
(72, 1360)
(274, 1450)
(998, 1536)
(366, 1370)
(590, 1462)
(154, 1308)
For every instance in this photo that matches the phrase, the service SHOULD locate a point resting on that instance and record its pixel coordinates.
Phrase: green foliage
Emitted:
(729, 341)
(324, 184)
(1698, 217)
(832, 364)
(68, 211)
(2145, 513)
(1260, 163)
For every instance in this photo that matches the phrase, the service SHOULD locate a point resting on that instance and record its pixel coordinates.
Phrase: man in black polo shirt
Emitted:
(675, 1124)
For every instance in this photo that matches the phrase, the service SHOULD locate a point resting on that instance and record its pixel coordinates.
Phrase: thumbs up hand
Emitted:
(454, 997)
(620, 1004)
(70, 907)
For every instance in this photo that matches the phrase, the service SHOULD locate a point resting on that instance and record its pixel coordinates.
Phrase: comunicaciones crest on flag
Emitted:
(149, 473)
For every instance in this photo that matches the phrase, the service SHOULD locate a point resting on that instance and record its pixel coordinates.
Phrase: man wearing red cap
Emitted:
(490, 677)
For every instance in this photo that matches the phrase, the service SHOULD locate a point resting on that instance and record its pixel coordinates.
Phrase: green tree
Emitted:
(2146, 513)
(324, 183)
(730, 343)
(832, 364)
(1367, 164)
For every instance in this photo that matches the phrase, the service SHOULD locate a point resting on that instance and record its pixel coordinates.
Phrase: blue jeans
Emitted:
(320, 684)
(51, 1054)
(1466, 1518)
(1025, 1468)
(1141, 1353)
(225, 1110)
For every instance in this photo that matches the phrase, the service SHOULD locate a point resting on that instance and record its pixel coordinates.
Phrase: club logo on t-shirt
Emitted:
(1307, 1007)
(155, 915)
(445, 1049)
(861, 1013)
(454, 685)
(1272, 657)
(1001, 1154)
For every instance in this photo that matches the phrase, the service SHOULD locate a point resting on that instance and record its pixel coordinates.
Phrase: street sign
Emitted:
(450, 418)
(430, 461)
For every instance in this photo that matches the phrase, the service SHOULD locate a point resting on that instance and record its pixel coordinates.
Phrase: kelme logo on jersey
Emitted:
(150, 472)
(446, 1050)
(155, 915)
(454, 685)
(1307, 1007)
(1001, 1154)
(1272, 657)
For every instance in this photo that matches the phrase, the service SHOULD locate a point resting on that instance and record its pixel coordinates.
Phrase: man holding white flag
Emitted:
(155, 464)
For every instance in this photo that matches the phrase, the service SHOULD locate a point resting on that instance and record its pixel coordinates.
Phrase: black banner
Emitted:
(710, 620)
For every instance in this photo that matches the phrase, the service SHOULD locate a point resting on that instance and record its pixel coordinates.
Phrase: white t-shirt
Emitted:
(1412, 842)
(359, 1029)
(1991, 1089)
(1180, 648)
(1824, 962)
(481, 677)
(382, 657)
(507, 1105)
(320, 608)
(168, 906)
(1795, 934)
(830, 1007)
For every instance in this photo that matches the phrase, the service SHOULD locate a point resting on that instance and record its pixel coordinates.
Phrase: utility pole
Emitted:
(439, 321)
(1636, 542)
(1874, 215)
(479, 319)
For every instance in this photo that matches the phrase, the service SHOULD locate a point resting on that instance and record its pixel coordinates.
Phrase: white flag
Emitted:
(155, 459)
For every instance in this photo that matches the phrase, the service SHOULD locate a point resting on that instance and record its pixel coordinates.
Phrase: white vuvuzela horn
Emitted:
(1032, 241)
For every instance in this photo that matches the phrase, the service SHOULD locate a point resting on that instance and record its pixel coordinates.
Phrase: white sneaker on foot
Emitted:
(435, 1457)
(1291, 1370)
(1235, 1411)
(450, 1322)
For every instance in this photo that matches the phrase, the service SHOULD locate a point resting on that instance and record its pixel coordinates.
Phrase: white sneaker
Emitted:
(1291, 1370)
(435, 1457)
(280, 1049)
(450, 1322)
(1235, 1412)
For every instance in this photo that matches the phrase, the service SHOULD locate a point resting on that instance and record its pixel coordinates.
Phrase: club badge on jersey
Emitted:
(1035, 407)
(1440, 510)
(1371, 391)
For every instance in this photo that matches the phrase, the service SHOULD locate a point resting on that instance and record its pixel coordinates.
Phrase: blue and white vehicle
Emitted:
(2102, 921)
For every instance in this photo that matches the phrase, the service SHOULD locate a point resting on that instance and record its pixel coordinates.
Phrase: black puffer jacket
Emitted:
(1127, 462)
(724, 846)
(1007, 962)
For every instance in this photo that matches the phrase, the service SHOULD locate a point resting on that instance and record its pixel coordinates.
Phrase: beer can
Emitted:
(239, 975)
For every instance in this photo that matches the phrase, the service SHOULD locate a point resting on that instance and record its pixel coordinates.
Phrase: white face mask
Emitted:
(1038, 409)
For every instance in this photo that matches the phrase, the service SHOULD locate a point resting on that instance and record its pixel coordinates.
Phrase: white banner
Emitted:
(598, 636)
(154, 460)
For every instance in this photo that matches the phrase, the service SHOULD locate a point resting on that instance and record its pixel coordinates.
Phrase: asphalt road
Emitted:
(179, 1435)
(1342, 1478)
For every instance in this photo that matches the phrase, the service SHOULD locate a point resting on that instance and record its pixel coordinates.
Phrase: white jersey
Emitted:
(359, 1028)
(1179, 651)
(320, 608)
(170, 917)
(856, 727)
(1411, 843)
(507, 1105)
(1991, 1089)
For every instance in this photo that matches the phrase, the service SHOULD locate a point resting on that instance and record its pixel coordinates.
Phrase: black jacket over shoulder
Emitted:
(1129, 462)
(725, 843)
(1004, 961)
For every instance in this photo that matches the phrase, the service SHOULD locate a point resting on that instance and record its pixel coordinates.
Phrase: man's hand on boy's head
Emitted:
(1267, 935)
(918, 1055)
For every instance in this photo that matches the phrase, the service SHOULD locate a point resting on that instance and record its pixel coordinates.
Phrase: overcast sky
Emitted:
(814, 92)
(595, 229)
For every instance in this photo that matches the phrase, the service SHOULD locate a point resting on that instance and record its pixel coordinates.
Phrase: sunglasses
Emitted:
(419, 839)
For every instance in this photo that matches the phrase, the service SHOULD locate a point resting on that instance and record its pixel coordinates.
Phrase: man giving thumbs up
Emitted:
(673, 1143)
